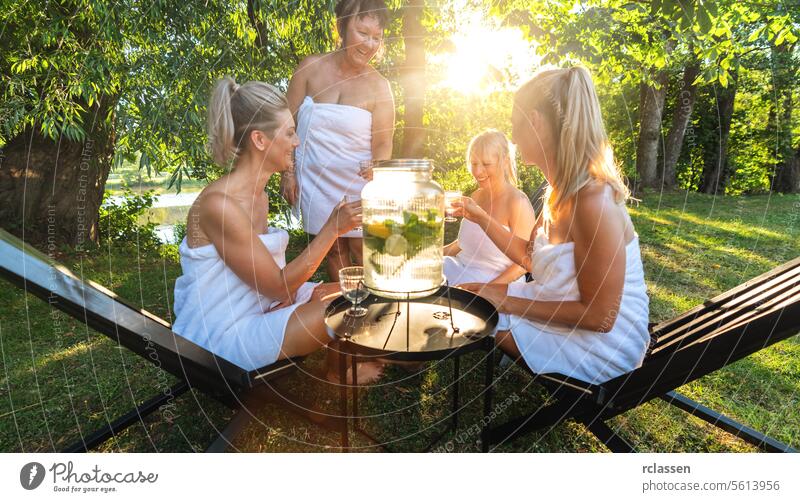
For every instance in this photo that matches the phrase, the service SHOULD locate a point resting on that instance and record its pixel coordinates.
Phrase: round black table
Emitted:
(447, 324)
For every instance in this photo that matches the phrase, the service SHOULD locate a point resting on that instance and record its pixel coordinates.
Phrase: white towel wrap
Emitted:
(590, 356)
(219, 312)
(334, 139)
(479, 259)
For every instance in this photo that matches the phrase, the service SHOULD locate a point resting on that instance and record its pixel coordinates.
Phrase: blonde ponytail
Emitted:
(568, 100)
(495, 142)
(236, 110)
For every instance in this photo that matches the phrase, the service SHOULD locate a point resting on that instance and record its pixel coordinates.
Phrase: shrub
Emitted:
(121, 220)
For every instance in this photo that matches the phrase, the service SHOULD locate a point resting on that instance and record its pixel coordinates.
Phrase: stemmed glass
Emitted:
(450, 196)
(351, 281)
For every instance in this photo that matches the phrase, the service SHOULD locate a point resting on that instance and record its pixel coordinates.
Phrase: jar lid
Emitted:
(403, 164)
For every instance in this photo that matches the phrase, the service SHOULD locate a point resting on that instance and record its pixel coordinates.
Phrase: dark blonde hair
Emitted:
(346, 10)
(494, 141)
(237, 110)
(567, 99)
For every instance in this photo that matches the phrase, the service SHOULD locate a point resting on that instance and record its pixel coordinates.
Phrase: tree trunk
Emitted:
(650, 113)
(715, 171)
(787, 171)
(412, 78)
(684, 104)
(51, 190)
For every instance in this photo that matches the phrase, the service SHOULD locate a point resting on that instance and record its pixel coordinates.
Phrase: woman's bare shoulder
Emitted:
(517, 196)
(311, 61)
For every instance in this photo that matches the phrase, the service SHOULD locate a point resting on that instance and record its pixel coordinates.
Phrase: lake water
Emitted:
(171, 208)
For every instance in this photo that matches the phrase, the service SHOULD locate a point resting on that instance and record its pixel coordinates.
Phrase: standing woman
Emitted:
(237, 297)
(345, 115)
(585, 314)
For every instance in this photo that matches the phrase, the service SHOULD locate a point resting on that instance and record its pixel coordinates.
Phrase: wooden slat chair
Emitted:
(151, 337)
(725, 329)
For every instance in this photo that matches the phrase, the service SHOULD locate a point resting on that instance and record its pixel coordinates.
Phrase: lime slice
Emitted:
(395, 245)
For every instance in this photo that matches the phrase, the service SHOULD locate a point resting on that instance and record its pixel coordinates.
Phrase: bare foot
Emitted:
(368, 372)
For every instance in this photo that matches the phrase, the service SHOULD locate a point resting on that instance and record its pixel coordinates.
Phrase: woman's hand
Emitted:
(289, 188)
(495, 294)
(465, 207)
(366, 173)
(345, 217)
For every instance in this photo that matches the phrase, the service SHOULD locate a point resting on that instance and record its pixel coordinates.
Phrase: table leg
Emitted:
(456, 385)
(356, 420)
(343, 395)
(488, 390)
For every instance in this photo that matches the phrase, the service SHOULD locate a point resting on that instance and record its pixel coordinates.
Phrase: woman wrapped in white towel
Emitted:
(473, 257)
(238, 297)
(585, 314)
(345, 115)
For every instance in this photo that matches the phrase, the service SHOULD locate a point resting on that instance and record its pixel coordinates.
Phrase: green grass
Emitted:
(58, 378)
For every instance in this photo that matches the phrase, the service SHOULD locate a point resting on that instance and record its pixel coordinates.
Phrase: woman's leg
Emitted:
(338, 257)
(305, 331)
(356, 250)
(505, 341)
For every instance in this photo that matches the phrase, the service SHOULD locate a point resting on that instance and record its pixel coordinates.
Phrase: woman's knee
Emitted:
(326, 292)
(305, 331)
(505, 340)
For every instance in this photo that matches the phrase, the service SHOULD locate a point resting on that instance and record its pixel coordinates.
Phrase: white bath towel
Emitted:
(593, 357)
(334, 139)
(219, 312)
(479, 259)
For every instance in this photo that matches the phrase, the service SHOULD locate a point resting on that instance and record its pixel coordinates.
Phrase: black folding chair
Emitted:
(151, 337)
(729, 327)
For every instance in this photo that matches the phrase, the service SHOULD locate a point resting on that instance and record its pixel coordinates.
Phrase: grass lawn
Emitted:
(58, 379)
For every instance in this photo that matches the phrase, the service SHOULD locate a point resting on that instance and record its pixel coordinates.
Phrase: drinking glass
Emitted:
(352, 197)
(365, 169)
(351, 281)
(450, 196)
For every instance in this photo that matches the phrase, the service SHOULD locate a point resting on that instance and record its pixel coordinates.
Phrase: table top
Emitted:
(385, 329)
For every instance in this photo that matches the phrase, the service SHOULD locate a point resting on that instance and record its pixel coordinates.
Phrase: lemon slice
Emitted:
(396, 245)
(378, 230)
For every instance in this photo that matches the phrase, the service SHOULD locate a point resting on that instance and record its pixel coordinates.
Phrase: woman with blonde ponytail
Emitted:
(473, 257)
(585, 314)
(237, 296)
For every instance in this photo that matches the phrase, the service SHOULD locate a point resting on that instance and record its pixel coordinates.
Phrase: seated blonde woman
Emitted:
(238, 297)
(586, 313)
(473, 257)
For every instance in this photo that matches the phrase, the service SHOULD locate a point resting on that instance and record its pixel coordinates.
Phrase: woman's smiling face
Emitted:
(487, 167)
(279, 152)
(362, 39)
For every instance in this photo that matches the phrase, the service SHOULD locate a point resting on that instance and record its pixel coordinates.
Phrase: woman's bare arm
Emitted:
(383, 121)
(227, 226)
(298, 85)
(452, 249)
(521, 223)
(599, 236)
(515, 247)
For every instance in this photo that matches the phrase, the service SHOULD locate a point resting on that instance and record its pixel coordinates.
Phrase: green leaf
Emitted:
(723, 78)
(711, 7)
(756, 34)
(704, 20)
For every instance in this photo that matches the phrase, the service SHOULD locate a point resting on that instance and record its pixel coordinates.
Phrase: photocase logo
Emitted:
(31, 475)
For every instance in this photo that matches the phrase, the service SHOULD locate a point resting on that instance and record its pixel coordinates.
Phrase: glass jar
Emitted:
(403, 229)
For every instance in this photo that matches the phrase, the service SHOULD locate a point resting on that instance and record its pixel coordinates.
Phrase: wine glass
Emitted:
(450, 196)
(351, 281)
